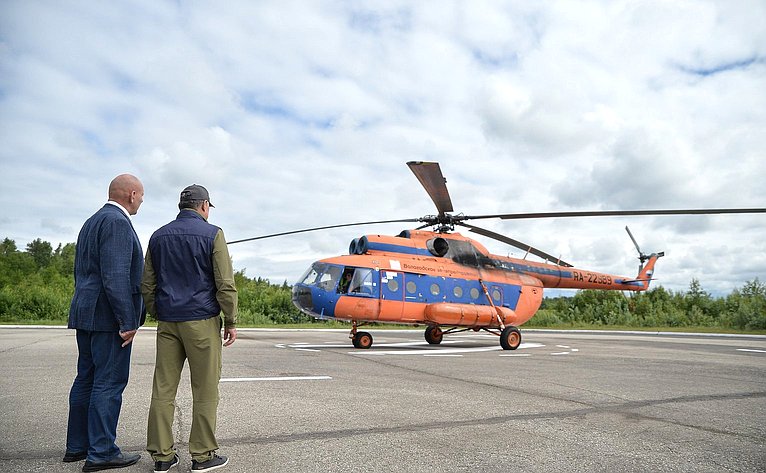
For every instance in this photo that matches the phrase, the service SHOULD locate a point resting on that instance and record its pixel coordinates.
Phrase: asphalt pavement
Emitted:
(307, 401)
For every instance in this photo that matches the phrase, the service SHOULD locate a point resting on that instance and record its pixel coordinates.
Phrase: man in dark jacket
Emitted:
(188, 282)
(106, 311)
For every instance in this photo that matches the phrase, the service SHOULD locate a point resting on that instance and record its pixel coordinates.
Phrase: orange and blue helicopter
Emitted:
(448, 282)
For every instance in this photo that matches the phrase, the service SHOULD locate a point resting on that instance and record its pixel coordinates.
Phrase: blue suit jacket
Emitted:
(107, 273)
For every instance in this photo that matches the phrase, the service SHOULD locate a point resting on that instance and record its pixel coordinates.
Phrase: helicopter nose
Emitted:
(302, 299)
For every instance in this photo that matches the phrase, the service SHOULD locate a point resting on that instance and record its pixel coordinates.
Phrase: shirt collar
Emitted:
(124, 210)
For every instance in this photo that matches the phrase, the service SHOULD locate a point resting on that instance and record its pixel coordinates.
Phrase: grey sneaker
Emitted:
(216, 462)
(160, 466)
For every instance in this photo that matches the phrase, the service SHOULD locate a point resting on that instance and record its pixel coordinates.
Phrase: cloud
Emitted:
(298, 115)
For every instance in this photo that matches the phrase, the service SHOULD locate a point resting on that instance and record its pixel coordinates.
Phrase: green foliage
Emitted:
(263, 303)
(36, 285)
(743, 309)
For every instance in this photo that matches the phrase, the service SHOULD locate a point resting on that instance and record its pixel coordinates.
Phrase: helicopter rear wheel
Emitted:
(434, 334)
(510, 338)
(362, 340)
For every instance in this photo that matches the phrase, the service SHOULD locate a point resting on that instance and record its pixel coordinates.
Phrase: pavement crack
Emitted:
(496, 420)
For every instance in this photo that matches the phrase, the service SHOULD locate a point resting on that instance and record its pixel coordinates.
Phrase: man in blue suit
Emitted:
(106, 310)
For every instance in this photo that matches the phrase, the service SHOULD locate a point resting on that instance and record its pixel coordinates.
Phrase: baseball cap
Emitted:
(195, 192)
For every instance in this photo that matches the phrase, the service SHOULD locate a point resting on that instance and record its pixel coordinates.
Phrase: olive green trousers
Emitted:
(198, 341)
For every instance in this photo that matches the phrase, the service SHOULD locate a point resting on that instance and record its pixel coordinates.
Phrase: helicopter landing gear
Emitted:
(433, 334)
(510, 338)
(361, 340)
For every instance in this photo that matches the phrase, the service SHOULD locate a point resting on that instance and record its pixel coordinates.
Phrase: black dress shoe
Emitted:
(74, 456)
(120, 461)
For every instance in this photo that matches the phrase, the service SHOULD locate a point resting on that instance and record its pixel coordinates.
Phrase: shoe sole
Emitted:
(169, 468)
(212, 467)
(86, 469)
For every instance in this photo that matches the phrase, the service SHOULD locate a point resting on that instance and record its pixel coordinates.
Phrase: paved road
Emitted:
(306, 401)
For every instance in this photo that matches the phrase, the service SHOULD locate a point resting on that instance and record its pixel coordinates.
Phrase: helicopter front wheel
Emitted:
(433, 334)
(362, 340)
(510, 338)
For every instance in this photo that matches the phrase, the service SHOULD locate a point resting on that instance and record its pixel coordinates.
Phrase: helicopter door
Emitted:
(391, 295)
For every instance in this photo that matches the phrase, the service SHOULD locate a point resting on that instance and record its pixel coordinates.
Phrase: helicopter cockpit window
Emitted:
(345, 280)
(310, 276)
(329, 277)
(361, 282)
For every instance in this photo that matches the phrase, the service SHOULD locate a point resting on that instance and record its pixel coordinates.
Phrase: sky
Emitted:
(296, 114)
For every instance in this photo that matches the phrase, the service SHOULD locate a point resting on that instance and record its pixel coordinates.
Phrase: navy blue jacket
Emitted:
(107, 273)
(181, 255)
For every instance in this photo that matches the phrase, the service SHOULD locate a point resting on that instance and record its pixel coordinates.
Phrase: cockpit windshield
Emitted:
(345, 280)
(322, 275)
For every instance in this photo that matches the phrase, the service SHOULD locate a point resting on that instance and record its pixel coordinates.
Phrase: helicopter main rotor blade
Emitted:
(432, 180)
(327, 227)
(616, 213)
(516, 243)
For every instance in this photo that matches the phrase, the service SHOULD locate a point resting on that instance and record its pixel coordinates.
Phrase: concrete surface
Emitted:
(307, 401)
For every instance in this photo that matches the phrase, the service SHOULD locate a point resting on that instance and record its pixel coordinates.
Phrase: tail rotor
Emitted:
(642, 257)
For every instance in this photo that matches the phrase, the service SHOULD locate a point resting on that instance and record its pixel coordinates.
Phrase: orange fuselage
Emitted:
(431, 278)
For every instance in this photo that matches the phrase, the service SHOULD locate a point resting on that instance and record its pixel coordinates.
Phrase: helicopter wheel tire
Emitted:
(510, 338)
(362, 340)
(433, 334)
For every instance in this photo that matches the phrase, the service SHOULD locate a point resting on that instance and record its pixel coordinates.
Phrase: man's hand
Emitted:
(128, 337)
(229, 335)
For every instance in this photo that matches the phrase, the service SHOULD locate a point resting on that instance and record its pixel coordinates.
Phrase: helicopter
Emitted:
(447, 281)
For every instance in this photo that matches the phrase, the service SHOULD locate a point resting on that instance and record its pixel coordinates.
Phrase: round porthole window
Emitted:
(411, 287)
(458, 291)
(435, 289)
(393, 285)
(474, 293)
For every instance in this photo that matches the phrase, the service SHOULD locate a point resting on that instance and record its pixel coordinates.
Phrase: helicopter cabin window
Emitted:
(393, 285)
(497, 296)
(412, 288)
(435, 289)
(474, 293)
(457, 291)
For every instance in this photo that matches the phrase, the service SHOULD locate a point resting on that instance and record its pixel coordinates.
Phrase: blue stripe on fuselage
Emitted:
(391, 248)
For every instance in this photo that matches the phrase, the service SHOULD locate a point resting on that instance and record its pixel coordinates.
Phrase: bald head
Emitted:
(127, 191)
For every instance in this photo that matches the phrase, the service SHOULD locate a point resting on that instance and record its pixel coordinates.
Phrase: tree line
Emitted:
(37, 283)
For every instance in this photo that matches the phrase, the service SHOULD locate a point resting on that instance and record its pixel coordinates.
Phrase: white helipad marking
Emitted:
(280, 345)
(275, 378)
(442, 351)
(561, 353)
(562, 346)
(306, 349)
(376, 344)
(518, 354)
(751, 350)
(436, 354)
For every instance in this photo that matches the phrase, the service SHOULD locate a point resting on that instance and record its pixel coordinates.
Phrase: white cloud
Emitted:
(298, 114)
